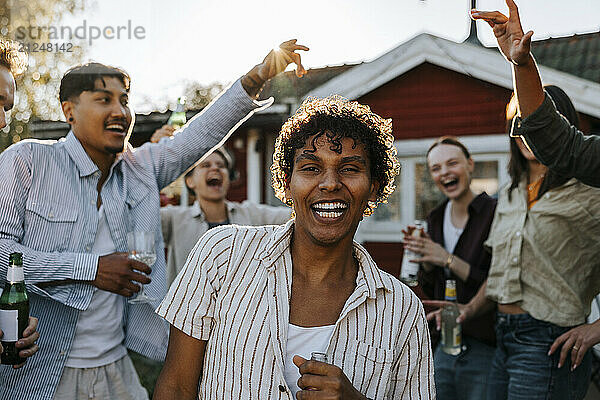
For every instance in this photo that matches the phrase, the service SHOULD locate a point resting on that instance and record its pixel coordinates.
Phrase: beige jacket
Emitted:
(547, 258)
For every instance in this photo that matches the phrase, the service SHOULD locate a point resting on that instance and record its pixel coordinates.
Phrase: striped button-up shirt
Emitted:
(49, 213)
(234, 292)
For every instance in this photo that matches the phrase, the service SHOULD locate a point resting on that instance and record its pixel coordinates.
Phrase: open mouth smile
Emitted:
(450, 183)
(330, 210)
(116, 127)
(214, 182)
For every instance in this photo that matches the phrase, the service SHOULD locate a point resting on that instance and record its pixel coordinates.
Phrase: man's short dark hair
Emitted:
(12, 58)
(343, 119)
(82, 78)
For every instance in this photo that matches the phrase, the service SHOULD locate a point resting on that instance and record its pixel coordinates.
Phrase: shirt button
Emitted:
(62, 353)
(92, 202)
(514, 260)
(547, 195)
(281, 388)
(50, 215)
(518, 124)
(518, 234)
(88, 247)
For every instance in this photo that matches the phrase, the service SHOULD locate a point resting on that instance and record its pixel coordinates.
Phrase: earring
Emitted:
(70, 119)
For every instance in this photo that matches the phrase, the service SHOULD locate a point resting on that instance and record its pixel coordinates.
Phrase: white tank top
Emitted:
(302, 342)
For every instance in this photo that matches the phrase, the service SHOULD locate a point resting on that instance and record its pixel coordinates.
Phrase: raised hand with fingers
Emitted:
(513, 43)
(320, 380)
(275, 62)
(577, 341)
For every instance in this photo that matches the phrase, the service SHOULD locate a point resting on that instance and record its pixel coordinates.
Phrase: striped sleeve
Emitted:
(190, 303)
(208, 129)
(412, 377)
(38, 266)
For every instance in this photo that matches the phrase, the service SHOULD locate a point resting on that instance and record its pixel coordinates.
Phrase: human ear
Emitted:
(374, 190)
(67, 109)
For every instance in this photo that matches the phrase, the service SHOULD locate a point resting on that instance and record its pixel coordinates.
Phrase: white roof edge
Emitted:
(477, 144)
(472, 60)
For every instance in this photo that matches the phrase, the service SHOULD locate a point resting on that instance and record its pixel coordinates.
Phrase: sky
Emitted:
(220, 40)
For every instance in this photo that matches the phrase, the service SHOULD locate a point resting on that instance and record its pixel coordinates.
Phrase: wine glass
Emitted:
(142, 249)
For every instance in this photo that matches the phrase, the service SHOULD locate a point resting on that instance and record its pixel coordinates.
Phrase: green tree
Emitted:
(198, 95)
(37, 94)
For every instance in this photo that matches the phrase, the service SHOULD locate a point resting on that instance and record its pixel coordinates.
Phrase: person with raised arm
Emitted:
(544, 274)
(68, 206)
(554, 142)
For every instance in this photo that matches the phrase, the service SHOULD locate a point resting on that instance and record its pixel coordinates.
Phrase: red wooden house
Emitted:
(430, 87)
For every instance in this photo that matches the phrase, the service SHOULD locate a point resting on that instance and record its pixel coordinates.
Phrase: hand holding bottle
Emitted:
(27, 343)
(324, 380)
(430, 251)
(465, 310)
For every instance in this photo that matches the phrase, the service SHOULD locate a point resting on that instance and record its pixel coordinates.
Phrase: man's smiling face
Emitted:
(101, 117)
(330, 186)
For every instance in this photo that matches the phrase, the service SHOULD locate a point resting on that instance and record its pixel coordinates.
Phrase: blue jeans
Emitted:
(465, 376)
(522, 369)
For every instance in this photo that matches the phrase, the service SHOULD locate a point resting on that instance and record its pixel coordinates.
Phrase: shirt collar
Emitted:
(76, 151)
(368, 272)
(197, 210)
(84, 163)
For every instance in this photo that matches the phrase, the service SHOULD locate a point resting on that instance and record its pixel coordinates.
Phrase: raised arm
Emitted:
(171, 157)
(515, 46)
(554, 141)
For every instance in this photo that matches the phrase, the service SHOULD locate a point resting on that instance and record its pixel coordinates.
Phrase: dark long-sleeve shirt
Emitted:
(559, 145)
(470, 249)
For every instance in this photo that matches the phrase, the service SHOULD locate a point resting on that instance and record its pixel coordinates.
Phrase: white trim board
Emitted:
(479, 62)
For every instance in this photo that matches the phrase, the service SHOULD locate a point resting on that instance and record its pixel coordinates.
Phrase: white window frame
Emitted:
(411, 152)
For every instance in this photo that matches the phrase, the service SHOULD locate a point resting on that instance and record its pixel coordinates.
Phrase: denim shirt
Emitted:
(49, 213)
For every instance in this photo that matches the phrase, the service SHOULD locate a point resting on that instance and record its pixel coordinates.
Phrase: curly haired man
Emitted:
(253, 303)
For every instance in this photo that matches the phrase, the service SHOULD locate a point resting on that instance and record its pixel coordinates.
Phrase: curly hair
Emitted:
(337, 118)
(12, 58)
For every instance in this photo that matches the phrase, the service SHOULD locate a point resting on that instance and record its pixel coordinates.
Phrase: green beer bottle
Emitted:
(14, 310)
(177, 118)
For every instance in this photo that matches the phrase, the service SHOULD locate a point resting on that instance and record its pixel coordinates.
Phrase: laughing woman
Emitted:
(454, 250)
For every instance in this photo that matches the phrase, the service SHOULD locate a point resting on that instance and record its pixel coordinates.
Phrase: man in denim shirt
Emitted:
(68, 205)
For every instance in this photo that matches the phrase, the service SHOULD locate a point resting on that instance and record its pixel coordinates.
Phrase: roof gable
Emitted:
(466, 58)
